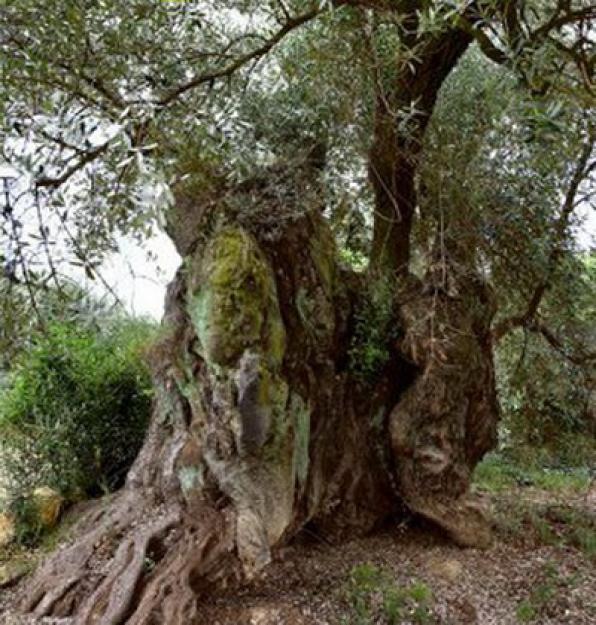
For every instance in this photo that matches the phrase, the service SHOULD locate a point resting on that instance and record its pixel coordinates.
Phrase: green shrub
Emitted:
(74, 414)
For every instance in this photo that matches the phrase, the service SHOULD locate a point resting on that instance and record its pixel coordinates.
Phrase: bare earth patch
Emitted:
(519, 579)
(468, 586)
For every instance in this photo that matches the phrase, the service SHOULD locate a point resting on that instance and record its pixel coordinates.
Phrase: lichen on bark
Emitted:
(233, 300)
(248, 441)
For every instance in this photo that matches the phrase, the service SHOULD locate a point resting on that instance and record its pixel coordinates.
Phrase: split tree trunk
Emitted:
(262, 426)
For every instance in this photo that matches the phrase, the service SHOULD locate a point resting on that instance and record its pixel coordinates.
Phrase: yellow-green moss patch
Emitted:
(234, 306)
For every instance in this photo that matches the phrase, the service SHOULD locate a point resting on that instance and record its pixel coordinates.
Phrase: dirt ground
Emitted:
(310, 584)
(531, 574)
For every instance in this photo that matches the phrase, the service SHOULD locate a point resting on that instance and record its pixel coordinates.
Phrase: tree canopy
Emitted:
(109, 110)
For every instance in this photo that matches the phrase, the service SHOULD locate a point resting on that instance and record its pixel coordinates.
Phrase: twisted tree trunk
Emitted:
(262, 424)
(260, 428)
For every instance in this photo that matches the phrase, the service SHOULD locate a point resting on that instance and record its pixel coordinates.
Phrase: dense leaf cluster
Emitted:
(74, 413)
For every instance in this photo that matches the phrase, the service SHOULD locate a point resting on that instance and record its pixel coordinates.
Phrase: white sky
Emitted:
(141, 283)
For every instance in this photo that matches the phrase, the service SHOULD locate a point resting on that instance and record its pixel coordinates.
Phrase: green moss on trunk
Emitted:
(234, 307)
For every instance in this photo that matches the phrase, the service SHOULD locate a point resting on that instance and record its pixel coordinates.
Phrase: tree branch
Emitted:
(555, 342)
(210, 77)
(521, 40)
(88, 157)
(526, 319)
(561, 17)
(483, 40)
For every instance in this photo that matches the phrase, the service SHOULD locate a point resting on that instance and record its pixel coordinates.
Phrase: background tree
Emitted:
(263, 422)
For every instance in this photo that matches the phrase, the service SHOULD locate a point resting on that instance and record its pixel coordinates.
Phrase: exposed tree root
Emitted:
(135, 570)
(52, 589)
(113, 599)
(203, 556)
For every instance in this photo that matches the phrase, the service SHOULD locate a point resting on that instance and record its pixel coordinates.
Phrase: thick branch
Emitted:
(555, 342)
(489, 49)
(394, 155)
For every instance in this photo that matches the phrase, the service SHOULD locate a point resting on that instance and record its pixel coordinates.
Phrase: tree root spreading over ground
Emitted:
(308, 583)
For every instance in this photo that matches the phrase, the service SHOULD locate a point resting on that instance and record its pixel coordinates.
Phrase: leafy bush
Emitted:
(76, 408)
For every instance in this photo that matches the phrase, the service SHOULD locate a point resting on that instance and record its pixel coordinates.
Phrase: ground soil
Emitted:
(308, 582)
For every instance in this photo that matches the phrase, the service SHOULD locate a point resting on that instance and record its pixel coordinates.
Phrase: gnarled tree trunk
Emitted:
(260, 427)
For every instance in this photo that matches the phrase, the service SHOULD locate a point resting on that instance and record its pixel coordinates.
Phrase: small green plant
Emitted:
(75, 412)
(543, 529)
(354, 259)
(365, 580)
(373, 597)
(421, 595)
(393, 605)
(420, 592)
(367, 577)
(525, 612)
(374, 328)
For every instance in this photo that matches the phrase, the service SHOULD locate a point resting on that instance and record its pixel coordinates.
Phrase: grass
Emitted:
(496, 474)
(373, 597)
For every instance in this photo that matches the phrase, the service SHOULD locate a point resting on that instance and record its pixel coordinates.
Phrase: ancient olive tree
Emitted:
(291, 390)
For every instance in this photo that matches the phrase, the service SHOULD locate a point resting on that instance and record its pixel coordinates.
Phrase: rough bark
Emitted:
(261, 428)
(397, 142)
(258, 430)
(446, 420)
